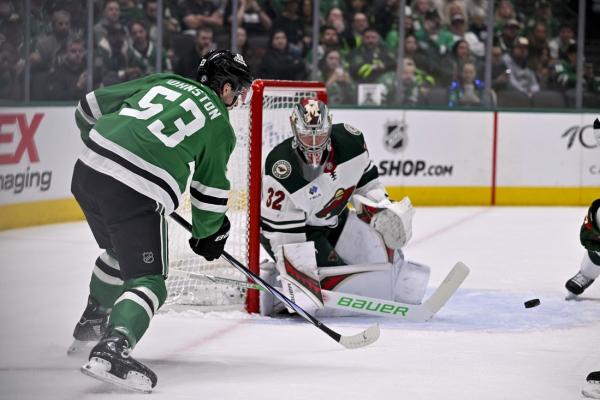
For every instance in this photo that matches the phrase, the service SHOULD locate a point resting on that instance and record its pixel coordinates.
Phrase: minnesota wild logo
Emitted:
(337, 203)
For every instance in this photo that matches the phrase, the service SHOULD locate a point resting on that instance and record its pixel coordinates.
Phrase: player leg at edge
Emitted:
(129, 291)
(592, 386)
(590, 265)
(105, 286)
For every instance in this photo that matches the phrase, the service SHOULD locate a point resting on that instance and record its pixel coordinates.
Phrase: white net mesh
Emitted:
(187, 286)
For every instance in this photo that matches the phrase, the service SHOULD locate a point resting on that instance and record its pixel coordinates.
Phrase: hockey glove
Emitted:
(590, 230)
(211, 247)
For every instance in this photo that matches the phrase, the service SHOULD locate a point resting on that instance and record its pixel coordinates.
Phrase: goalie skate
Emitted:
(89, 328)
(111, 362)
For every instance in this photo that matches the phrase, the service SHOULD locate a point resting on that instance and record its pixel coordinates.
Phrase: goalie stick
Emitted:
(362, 339)
(361, 304)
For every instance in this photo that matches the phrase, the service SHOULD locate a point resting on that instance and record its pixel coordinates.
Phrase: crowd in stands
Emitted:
(534, 49)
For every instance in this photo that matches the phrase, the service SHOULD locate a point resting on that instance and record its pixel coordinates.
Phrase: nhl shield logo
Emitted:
(395, 137)
(148, 257)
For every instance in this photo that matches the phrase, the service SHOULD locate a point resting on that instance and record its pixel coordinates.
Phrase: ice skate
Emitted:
(592, 388)
(90, 327)
(577, 284)
(110, 361)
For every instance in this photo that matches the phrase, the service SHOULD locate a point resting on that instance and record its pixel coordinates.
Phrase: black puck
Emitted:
(532, 303)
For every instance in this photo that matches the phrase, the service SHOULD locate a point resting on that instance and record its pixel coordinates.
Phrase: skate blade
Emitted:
(99, 369)
(79, 346)
(591, 390)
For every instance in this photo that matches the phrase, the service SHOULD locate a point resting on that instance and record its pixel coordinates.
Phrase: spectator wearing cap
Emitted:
(560, 44)
(521, 78)
(371, 62)
(458, 27)
(196, 14)
(508, 35)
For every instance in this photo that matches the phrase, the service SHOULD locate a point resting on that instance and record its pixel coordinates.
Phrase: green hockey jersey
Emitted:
(151, 133)
(291, 205)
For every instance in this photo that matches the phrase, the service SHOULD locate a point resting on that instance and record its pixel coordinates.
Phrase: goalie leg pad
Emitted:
(359, 243)
(411, 282)
(297, 267)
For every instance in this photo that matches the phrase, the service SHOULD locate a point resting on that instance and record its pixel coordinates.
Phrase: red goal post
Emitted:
(260, 122)
(260, 89)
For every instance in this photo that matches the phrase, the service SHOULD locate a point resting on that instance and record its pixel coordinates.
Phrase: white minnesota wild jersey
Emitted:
(292, 205)
(146, 133)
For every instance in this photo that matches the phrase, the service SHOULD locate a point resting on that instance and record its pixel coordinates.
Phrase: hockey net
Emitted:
(260, 122)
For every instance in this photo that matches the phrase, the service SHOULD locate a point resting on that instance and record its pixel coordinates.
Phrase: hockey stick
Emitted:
(367, 305)
(364, 338)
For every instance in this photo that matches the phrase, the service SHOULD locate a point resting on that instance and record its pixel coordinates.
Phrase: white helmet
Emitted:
(311, 124)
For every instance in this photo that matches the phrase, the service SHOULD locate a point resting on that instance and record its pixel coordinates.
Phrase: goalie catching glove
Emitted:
(393, 221)
(211, 247)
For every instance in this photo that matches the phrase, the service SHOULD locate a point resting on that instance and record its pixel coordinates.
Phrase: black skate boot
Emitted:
(110, 362)
(577, 284)
(90, 327)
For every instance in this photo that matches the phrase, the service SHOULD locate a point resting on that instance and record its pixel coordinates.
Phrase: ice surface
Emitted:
(482, 345)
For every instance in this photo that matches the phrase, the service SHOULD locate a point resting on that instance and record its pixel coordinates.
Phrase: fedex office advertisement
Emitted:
(38, 149)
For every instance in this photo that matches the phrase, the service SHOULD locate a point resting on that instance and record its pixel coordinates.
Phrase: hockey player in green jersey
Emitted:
(309, 180)
(140, 139)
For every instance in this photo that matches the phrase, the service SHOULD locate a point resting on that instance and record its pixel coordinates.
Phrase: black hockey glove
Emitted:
(211, 247)
(590, 230)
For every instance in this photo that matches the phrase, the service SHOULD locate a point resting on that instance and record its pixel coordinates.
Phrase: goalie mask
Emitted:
(311, 125)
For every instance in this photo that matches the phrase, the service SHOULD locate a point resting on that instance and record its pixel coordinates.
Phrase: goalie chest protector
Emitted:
(347, 168)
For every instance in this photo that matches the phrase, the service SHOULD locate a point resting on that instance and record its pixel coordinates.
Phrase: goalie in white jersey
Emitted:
(317, 242)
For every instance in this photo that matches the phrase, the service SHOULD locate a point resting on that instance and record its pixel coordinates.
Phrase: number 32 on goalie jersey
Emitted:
(274, 198)
(150, 109)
